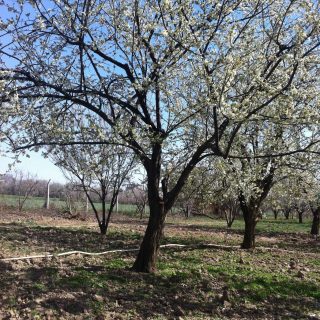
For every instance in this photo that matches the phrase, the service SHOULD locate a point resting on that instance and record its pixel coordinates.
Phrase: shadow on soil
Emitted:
(103, 289)
(58, 239)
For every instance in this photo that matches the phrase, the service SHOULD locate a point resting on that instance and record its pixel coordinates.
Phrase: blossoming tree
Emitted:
(176, 81)
(100, 171)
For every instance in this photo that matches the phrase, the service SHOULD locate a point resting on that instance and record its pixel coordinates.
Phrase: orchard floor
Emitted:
(280, 279)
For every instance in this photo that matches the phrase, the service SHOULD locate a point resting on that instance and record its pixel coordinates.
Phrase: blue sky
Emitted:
(36, 165)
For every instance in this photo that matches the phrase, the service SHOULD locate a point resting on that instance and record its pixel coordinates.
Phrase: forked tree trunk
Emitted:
(229, 224)
(286, 213)
(103, 229)
(229, 216)
(250, 219)
(160, 204)
(250, 209)
(315, 221)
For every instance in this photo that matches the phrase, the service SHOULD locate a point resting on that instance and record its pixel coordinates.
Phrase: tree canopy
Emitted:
(176, 81)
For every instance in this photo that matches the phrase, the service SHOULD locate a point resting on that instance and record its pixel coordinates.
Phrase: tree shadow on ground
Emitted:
(56, 239)
(100, 289)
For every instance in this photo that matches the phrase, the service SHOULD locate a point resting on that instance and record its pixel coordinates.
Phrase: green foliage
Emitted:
(31, 203)
(256, 282)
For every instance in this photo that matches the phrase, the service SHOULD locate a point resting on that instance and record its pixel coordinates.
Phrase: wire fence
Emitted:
(56, 203)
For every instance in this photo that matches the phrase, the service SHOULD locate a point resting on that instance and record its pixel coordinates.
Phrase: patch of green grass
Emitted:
(124, 235)
(256, 282)
(116, 263)
(39, 286)
(263, 286)
(30, 203)
(266, 225)
(12, 302)
(261, 277)
(283, 226)
(96, 279)
(97, 307)
(36, 315)
(82, 279)
(38, 203)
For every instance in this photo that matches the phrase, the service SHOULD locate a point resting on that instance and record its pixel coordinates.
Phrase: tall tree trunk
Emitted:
(149, 248)
(315, 221)
(250, 219)
(187, 212)
(250, 208)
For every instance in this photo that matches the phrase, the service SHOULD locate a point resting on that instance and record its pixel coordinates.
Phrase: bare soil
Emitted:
(280, 280)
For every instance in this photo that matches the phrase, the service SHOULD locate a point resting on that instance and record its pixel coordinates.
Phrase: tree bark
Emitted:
(159, 204)
(250, 220)
(286, 213)
(300, 216)
(149, 248)
(315, 221)
(275, 214)
(103, 229)
(147, 256)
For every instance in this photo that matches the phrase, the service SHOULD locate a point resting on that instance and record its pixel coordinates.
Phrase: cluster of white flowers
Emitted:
(177, 74)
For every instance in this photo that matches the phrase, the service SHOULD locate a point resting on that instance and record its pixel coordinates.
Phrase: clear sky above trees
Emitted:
(176, 81)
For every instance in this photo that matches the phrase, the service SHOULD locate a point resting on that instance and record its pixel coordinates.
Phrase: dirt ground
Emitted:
(278, 280)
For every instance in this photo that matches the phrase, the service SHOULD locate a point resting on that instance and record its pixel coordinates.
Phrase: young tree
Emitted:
(253, 177)
(300, 191)
(208, 192)
(175, 80)
(24, 186)
(74, 200)
(140, 199)
(100, 171)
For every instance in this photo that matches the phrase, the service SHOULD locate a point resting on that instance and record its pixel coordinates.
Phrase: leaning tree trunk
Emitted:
(250, 220)
(315, 221)
(250, 209)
